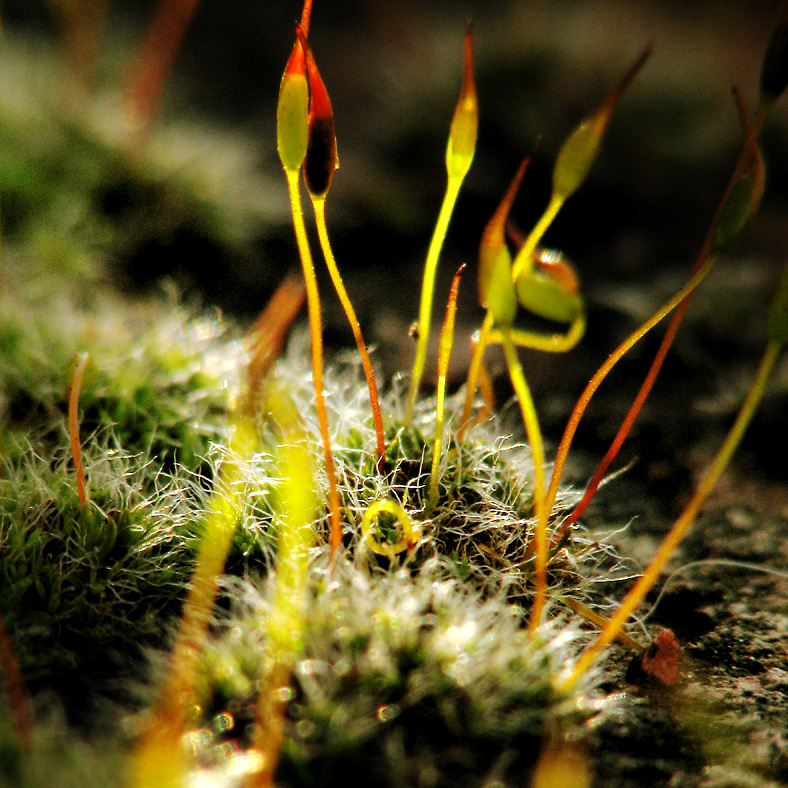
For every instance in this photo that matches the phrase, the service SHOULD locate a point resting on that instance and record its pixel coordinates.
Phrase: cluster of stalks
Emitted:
(538, 280)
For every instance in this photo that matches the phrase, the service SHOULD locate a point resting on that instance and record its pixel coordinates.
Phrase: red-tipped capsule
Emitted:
(465, 123)
(292, 111)
(580, 149)
(496, 289)
(321, 152)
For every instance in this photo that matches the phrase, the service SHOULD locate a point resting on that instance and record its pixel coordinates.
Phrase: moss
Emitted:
(86, 587)
(406, 675)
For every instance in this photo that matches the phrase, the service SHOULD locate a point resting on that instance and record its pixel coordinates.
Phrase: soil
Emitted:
(725, 723)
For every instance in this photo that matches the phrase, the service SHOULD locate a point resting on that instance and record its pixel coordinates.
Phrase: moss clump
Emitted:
(418, 678)
(482, 520)
(161, 381)
(84, 588)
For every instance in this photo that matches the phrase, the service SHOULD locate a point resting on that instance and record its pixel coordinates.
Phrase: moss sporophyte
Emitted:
(369, 579)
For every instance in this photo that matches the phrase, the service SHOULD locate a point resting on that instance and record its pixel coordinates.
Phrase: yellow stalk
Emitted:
(682, 524)
(534, 435)
(159, 760)
(319, 204)
(459, 156)
(525, 254)
(584, 611)
(427, 291)
(549, 343)
(315, 328)
(296, 503)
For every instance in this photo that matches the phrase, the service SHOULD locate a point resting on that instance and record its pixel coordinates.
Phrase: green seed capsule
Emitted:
(292, 112)
(740, 207)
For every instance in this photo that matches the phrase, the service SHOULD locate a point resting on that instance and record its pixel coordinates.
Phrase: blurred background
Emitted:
(393, 71)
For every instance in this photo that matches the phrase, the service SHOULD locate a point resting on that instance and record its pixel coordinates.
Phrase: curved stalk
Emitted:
(411, 531)
(548, 343)
(590, 389)
(374, 401)
(705, 260)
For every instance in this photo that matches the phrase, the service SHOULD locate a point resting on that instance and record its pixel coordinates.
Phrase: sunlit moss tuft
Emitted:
(400, 675)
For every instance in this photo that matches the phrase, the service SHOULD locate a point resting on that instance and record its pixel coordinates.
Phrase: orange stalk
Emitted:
(707, 257)
(366, 363)
(445, 344)
(268, 334)
(82, 24)
(590, 389)
(679, 530)
(154, 63)
(73, 427)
